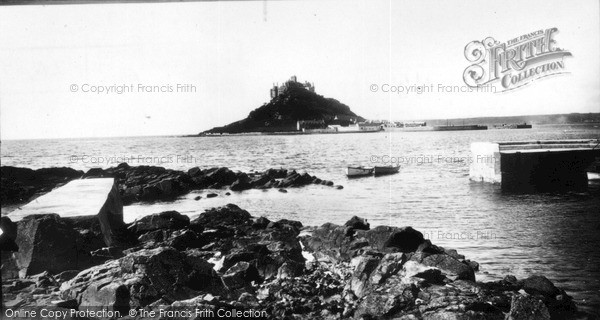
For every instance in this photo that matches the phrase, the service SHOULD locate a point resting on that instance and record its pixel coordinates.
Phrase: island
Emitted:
(295, 108)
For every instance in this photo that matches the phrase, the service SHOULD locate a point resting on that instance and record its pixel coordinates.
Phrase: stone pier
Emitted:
(534, 165)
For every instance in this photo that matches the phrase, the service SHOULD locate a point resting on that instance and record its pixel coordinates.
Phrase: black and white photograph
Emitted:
(300, 159)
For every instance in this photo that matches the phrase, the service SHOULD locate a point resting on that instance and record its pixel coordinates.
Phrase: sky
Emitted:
(54, 59)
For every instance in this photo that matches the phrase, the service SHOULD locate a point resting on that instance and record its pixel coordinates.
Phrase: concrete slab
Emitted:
(76, 198)
(534, 165)
(85, 197)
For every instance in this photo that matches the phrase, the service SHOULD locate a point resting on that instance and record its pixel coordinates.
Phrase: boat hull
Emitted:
(386, 170)
(358, 171)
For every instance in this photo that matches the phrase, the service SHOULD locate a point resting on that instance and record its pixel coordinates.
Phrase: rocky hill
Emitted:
(282, 112)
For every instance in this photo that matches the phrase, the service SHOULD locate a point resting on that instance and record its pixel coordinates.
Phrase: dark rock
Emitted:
(540, 285)
(528, 308)
(229, 215)
(383, 273)
(155, 236)
(240, 185)
(454, 254)
(197, 198)
(385, 238)
(290, 269)
(239, 275)
(406, 239)
(195, 171)
(67, 304)
(9, 235)
(260, 181)
(43, 280)
(222, 176)
(330, 242)
(339, 187)
(248, 299)
(357, 223)
(276, 173)
(261, 223)
(450, 266)
(107, 253)
(46, 243)
(150, 193)
(141, 278)
(172, 220)
(390, 298)
(433, 276)
(293, 225)
(364, 266)
(473, 264)
(389, 266)
(9, 228)
(66, 275)
(282, 190)
(211, 195)
(428, 248)
(186, 240)
(233, 258)
(95, 173)
(123, 165)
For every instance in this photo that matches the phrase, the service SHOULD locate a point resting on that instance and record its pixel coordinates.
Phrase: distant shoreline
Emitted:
(181, 135)
(389, 129)
(284, 133)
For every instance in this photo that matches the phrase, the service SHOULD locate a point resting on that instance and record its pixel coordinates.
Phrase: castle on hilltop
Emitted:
(277, 90)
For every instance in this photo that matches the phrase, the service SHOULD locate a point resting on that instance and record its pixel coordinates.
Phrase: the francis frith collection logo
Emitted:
(516, 62)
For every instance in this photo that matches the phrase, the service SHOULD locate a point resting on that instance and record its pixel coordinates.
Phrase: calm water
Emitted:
(557, 235)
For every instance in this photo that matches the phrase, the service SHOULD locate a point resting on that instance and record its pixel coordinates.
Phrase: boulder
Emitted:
(46, 243)
(240, 275)
(527, 308)
(357, 223)
(260, 181)
(95, 173)
(406, 239)
(330, 242)
(290, 269)
(451, 267)
(240, 185)
(261, 223)
(538, 284)
(222, 176)
(390, 265)
(8, 236)
(229, 215)
(195, 171)
(186, 239)
(141, 278)
(390, 298)
(170, 220)
(363, 267)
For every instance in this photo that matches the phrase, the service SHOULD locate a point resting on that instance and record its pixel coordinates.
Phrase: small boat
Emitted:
(386, 170)
(359, 171)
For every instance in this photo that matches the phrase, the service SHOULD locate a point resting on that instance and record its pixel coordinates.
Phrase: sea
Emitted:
(556, 234)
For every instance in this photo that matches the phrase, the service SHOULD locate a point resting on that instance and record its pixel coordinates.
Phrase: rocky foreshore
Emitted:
(227, 263)
(149, 183)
